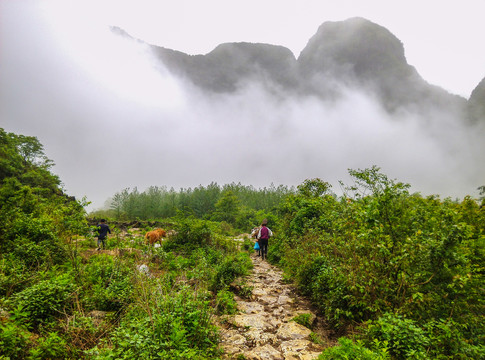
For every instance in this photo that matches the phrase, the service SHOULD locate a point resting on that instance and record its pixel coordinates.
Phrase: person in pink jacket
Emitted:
(263, 236)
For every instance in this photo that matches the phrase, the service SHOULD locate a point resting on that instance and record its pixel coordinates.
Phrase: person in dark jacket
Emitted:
(103, 230)
(263, 236)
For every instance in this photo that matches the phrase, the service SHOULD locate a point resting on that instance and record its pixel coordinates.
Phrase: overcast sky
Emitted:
(109, 120)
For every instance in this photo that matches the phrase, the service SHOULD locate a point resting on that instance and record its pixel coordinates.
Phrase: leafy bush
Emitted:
(447, 340)
(14, 341)
(379, 249)
(231, 267)
(347, 349)
(46, 300)
(179, 327)
(404, 339)
(107, 283)
(225, 303)
(190, 233)
(52, 346)
(303, 319)
(14, 275)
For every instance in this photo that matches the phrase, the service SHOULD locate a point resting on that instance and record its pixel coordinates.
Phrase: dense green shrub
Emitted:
(451, 340)
(191, 233)
(380, 249)
(107, 283)
(46, 300)
(14, 341)
(52, 346)
(14, 275)
(231, 267)
(347, 349)
(225, 303)
(178, 327)
(404, 339)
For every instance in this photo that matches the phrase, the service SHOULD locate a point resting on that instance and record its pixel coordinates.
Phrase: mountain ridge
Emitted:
(353, 53)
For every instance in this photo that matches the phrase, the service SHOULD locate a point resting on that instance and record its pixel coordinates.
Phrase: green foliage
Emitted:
(22, 157)
(178, 327)
(225, 303)
(347, 349)
(448, 340)
(380, 249)
(14, 275)
(229, 269)
(316, 339)
(233, 203)
(227, 208)
(46, 300)
(313, 188)
(14, 341)
(107, 283)
(404, 339)
(303, 319)
(248, 245)
(36, 216)
(50, 347)
(191, 233)
(245, 291)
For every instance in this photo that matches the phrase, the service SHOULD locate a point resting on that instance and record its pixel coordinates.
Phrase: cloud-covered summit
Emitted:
(355, 53)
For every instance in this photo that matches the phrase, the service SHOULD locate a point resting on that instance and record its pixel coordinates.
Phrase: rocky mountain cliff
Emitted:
(361, 54)
(229, 65)
(354, 53)
(476, 103)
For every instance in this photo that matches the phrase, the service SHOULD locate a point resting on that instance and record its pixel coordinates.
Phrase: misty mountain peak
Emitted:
(355, 47)
(230, 65)
(476, 103)
(361, 54)
(263, 53)
(354, 53)
(120, 32)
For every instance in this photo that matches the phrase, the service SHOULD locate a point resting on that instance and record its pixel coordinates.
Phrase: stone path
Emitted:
(263, 329)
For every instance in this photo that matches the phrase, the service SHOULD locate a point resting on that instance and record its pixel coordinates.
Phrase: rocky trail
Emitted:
(264, 328)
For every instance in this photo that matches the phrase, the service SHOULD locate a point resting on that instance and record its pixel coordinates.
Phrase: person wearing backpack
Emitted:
(263, 236)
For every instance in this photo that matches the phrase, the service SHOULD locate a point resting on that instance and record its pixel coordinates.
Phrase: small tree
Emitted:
(314, 188)
(227, 208)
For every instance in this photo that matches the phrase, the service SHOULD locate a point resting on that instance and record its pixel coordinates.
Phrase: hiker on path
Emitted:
(103, 230)
(263, 235)
(254, 235)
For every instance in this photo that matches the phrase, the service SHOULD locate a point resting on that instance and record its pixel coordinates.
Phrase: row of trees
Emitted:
(240, 206)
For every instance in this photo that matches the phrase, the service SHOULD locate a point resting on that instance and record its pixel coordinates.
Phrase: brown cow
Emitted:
(155, 235)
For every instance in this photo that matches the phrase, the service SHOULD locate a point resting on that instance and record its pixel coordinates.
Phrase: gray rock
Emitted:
(265, 352)
(293, 331)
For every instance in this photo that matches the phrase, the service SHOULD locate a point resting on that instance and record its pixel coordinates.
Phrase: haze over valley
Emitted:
(249, 112)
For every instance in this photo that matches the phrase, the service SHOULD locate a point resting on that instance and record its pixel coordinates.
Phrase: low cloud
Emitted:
(106, 133)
